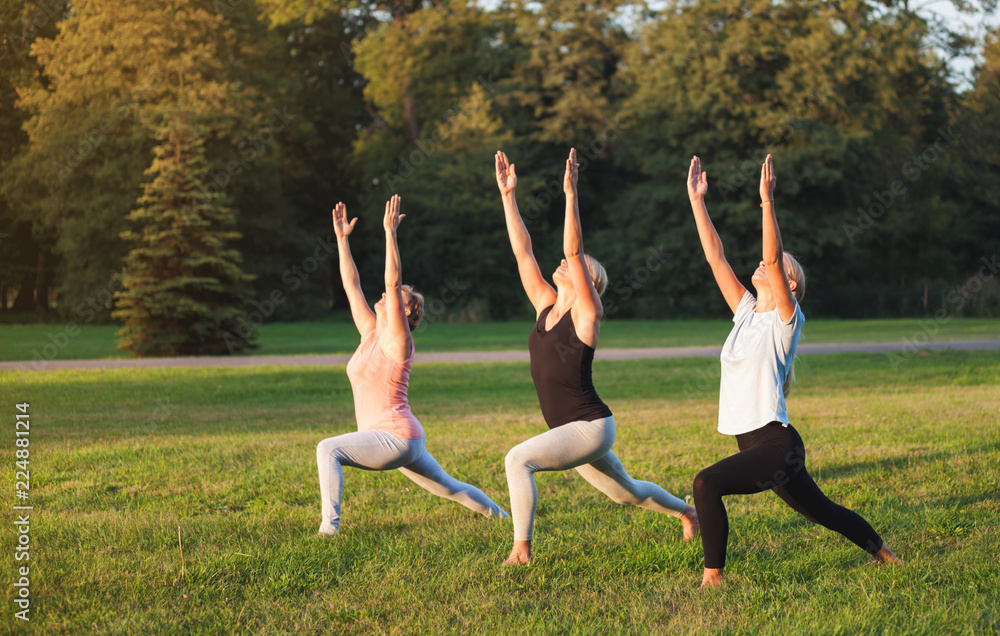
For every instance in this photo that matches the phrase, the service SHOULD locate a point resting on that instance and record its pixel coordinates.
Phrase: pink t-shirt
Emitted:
(379, 386)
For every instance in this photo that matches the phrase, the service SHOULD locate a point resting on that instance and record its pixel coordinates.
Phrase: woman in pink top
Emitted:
(389, 436)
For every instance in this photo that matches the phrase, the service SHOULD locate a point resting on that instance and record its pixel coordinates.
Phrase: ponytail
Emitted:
(797, 274)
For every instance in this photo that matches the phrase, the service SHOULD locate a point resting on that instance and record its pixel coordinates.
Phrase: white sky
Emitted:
(975, 24)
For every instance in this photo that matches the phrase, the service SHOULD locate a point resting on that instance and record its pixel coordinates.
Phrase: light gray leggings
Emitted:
(382, 450)
(585, 446)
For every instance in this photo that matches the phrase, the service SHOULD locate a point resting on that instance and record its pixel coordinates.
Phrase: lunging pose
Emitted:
(757, 363)
(561, 345)
(389, 436)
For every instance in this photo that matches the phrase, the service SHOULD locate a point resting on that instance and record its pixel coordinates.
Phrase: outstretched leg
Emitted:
(805, 497)
(368, 450)
(608, 475)
(428, 474)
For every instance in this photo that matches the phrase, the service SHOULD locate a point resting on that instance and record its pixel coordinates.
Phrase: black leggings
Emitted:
(770, 458)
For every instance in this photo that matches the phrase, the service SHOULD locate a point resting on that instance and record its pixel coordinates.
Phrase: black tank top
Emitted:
(561, 368)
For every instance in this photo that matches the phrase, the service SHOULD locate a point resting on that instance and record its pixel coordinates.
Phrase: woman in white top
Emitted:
(756, 375)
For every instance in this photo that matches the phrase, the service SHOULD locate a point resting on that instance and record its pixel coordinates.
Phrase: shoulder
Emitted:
(367, 337)
(543, 312)
(746, 306)
(795, 321)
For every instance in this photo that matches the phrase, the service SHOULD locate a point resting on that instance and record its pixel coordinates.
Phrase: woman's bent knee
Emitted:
(704, 484)
(514, 459)
(324, 448)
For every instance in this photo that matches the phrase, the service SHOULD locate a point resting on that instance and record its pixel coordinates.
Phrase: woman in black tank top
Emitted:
(561, 369)
(562, 343)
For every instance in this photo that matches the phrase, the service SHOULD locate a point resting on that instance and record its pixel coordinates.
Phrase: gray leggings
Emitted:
(382, 450)
(585, 446)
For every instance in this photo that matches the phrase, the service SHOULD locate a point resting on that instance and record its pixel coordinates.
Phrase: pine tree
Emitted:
(184, 292)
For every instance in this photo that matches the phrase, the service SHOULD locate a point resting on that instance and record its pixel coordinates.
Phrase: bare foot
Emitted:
(520, 554)
(885, 555)
(326, 530)
(711, 578)
(690, 521)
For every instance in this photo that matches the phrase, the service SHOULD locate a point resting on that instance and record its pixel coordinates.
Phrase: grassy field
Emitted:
(121, 459)
(24, 342)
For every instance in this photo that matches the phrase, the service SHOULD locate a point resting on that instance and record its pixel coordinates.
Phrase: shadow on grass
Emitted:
(898, 462)
(961, 501)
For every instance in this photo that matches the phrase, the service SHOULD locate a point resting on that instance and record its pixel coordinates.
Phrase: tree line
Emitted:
(175, 164)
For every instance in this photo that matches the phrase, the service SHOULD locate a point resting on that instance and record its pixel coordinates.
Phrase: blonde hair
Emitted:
(794, 272)
(414, 303)
(597, 273)
(797, 274)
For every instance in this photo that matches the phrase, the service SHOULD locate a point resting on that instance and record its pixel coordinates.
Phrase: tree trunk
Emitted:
(412, 123)
(41, 285)
(25, 299)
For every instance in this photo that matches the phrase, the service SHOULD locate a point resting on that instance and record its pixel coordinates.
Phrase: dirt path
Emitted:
(479, 356)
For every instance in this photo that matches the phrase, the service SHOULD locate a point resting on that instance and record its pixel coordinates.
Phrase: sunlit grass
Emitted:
(121, 459)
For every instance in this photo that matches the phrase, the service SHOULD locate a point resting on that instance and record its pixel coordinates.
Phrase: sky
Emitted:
(976, 23)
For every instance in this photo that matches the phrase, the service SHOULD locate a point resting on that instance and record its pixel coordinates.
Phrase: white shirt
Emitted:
(755, 362)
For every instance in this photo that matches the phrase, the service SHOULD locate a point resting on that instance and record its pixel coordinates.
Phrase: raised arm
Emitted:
(774, 256)
(539, 292)
(364, 317)
(396, 341)
(730, 286)
(588, 301)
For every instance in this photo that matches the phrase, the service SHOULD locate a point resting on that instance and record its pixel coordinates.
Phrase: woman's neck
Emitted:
(565, 299)
(765, 301)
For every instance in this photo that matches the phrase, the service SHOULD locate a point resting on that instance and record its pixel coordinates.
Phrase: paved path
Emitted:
(478, 356)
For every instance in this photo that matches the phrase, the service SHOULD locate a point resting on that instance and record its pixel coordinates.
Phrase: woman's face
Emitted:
(562, 273)
(380, 305)
(759, 278)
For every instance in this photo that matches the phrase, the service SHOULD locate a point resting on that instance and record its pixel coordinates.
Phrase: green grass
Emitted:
(51, 341)
(121, 458)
